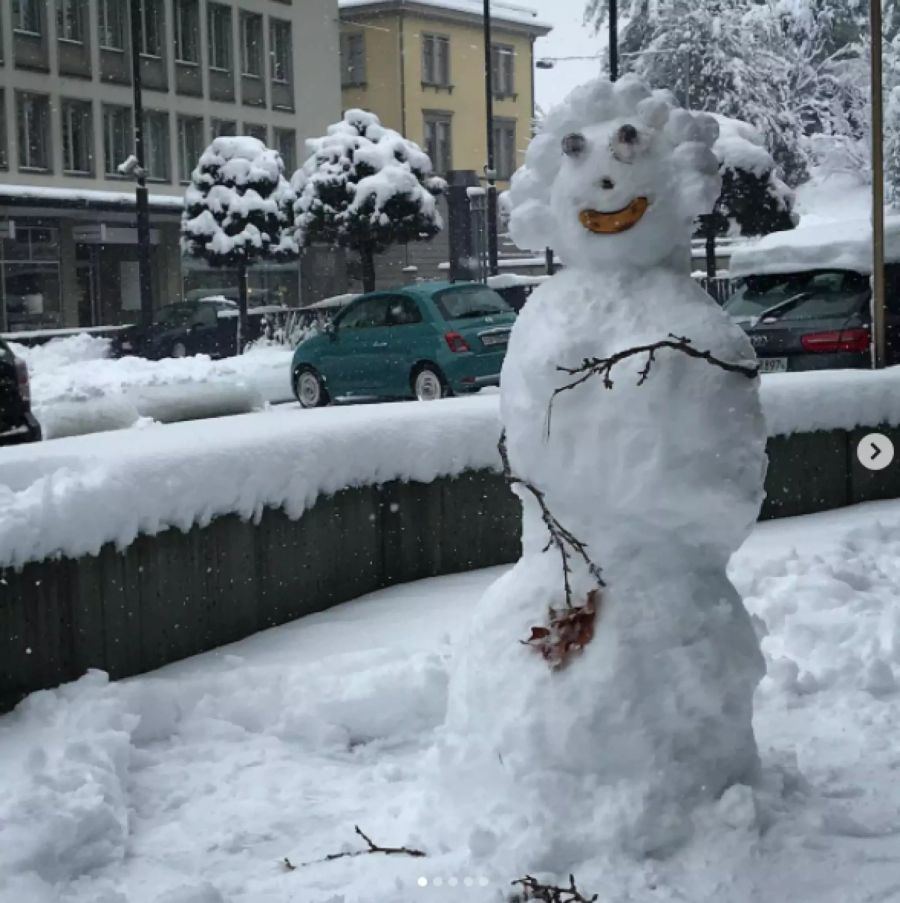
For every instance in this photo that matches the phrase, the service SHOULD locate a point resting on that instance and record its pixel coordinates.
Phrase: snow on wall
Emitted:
(73, 495)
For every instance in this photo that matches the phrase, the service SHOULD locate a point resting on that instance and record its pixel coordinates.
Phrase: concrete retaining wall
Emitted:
(172, 595)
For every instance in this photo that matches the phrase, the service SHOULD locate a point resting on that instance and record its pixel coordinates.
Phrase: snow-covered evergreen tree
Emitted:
(237, 211)
(365, 187)
(711, 56)
(754, 201)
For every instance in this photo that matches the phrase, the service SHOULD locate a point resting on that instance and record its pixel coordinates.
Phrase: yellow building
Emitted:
(419, 65)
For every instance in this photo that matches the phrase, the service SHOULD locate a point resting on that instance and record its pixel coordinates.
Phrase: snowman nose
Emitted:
(607, 184)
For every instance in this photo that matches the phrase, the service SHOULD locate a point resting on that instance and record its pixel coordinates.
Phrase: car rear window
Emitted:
(800, 296)
(470, 302)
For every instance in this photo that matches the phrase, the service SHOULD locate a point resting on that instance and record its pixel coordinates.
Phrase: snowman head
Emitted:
(615, 177)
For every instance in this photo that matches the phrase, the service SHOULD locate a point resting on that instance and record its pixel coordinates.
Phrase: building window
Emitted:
(220, 127)
(438, 141)
(257, 131)
(111, 24)
(187, 31)
(281, 50)
(503, 58)
(77, 137)
(70, 20)
(152, 23)
(156, 145)
(251, 44)
(286, 145)
(505, 148)
(436, 60)
(33, 116)
(117, 138)
(353, 59)
(219, 37)
(190, 145)
(4, 158)
(27, 16)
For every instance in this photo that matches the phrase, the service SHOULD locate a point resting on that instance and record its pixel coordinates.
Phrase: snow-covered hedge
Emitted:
(73, 495)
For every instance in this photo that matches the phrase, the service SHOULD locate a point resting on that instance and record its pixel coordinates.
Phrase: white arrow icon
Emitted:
(875, 451)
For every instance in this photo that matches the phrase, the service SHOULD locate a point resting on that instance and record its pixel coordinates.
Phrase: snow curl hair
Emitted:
(687, 139)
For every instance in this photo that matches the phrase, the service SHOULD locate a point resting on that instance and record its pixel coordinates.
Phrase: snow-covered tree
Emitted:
(238, 211)
(711, 57)
(754, 201)
(365, 187)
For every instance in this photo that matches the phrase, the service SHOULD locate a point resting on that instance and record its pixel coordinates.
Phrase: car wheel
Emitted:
(179, 350)
(428, 384)
(309, 389)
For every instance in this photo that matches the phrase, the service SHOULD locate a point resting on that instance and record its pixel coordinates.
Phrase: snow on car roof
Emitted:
(843, 245)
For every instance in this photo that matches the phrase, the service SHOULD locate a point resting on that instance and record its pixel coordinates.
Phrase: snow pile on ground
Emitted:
(74, 495)
(192, 785)
(76, 388)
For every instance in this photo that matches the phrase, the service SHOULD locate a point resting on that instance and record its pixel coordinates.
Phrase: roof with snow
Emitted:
(466, 10)
(843, 245)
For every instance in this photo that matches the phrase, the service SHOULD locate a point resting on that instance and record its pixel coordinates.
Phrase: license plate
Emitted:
(772, 364)
(496, 338)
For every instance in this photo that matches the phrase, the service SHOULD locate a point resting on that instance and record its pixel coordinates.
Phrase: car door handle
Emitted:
(380, 345)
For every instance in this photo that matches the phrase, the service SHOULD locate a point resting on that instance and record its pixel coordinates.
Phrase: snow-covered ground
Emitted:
(77, 388)
(192, 784)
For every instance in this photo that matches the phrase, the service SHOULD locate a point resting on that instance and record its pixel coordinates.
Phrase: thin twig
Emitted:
(372, 848)
(547, 893)
(602, 366)
(563, 539)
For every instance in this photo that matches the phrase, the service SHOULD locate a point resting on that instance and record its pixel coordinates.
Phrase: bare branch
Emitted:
(371, 848)
(565, 541)
(602, 366)
(547, 893)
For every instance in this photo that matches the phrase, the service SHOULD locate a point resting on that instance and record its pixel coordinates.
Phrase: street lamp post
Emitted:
(613, 40)
(490, 170)
(141, 198)
(878, 284)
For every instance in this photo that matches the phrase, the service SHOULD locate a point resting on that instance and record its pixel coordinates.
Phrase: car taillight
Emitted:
(836, 340)
(455, 342)
(22, 379)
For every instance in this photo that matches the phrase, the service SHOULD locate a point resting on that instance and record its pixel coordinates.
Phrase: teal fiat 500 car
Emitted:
(425, 341)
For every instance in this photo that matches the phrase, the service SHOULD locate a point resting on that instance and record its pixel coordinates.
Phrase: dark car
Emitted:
(813, 320)
(17, 423)
(207, 326)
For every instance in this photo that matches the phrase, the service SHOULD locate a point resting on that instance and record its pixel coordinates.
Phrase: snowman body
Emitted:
(660, 476)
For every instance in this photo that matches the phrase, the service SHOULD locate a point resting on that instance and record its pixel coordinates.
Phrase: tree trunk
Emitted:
(367, 256)
(242, 334)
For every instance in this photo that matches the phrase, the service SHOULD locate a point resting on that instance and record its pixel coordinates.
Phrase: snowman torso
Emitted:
(679, 456)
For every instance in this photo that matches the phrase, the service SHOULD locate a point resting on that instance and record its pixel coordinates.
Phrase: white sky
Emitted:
(568, 38)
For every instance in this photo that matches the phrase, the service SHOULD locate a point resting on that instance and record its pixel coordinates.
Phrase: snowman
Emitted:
(602, 692)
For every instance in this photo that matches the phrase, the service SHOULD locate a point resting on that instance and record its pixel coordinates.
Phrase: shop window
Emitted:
(29, 274)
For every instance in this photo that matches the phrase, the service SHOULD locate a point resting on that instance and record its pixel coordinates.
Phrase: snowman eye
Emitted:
(625, 144)
(573, 145)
